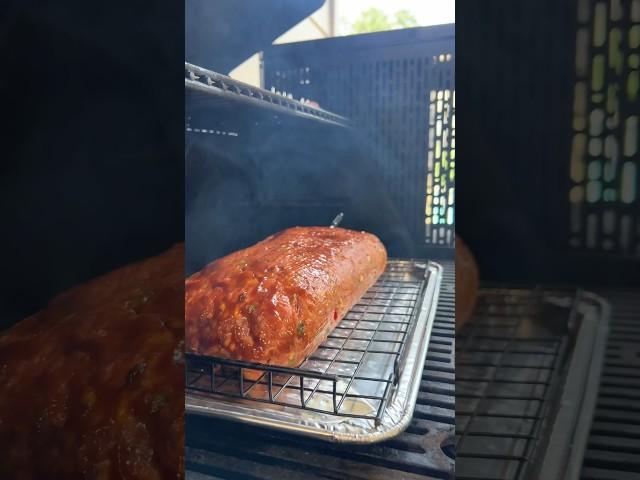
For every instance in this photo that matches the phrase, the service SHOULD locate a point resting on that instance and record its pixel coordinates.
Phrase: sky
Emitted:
(427, 12)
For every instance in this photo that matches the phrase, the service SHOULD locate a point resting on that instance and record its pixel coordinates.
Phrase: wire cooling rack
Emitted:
(508, 366)
(351, 374)
(527, 365)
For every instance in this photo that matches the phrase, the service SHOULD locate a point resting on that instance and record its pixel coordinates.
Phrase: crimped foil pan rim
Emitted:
(396, 417)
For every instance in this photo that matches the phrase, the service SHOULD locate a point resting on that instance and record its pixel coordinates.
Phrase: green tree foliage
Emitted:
(405, 19)
(374, 20)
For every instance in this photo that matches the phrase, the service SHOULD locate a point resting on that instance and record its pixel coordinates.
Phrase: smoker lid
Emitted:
(221, 34)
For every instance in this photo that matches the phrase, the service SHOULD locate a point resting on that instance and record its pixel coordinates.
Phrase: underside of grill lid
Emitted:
(221, 34)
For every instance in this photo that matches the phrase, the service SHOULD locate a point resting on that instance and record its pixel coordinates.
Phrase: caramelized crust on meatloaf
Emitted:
(276, 301)
(93, 385)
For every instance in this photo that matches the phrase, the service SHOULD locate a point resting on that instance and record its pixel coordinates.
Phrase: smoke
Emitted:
(279, 171)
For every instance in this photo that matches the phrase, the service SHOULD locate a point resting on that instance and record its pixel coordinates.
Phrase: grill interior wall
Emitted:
(381, 82)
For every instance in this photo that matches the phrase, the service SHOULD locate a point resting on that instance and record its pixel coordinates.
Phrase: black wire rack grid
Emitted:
(510, 361)
(351, 374)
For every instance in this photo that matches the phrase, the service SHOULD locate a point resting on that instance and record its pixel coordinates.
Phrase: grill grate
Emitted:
(613, 449)
(221, 449)
(509, 361)
(363, 353)
(207, 82)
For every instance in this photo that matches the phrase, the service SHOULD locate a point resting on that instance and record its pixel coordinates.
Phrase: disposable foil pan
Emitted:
(348, 426)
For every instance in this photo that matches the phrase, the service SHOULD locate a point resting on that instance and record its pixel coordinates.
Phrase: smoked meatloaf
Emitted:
(275, 302)
(92, 386)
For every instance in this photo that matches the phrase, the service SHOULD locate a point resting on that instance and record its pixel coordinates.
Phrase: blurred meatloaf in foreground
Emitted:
(93, 385)
(275, 302)
(467, 283)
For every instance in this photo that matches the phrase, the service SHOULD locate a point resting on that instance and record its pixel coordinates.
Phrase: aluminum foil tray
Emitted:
(527, 371)
(360, 386)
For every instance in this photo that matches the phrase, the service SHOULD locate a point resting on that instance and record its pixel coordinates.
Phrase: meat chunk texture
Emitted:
(92, 386)
(275, 302)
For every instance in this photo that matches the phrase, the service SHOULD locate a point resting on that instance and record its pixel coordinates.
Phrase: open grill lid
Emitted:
(221, 34)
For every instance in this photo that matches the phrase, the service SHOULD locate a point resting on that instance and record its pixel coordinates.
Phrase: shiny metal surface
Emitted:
(353, 424)
(211, 84)
(527, 372)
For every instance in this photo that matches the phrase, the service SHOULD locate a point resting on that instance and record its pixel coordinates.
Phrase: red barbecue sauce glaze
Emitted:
(276, 301)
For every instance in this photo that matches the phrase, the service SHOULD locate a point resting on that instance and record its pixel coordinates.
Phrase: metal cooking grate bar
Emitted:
(613, 448)
(377, 326)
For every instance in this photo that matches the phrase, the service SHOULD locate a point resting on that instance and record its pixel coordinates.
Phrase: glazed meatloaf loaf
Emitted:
(275, 302)
(92, 387)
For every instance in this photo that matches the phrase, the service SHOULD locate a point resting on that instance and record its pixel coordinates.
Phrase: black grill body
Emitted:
(533, 78)
(395, 87)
